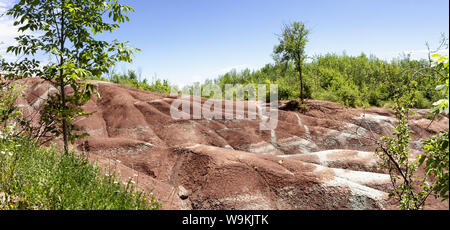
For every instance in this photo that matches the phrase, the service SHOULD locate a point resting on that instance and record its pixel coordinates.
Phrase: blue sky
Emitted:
(192, 40)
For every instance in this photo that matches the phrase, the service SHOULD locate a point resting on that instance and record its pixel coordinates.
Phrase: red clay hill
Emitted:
(320, 159)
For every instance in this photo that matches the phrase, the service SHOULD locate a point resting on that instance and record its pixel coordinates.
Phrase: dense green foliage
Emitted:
(353, 81)
(65, 29)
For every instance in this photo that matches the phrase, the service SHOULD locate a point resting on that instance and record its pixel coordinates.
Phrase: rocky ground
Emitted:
(319, 159)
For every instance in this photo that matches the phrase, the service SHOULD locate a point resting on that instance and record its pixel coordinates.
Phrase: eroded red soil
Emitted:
(320, 159)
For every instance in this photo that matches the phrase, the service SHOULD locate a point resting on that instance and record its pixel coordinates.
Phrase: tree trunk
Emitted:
(299, 67)
(64, 122)
(61, 79)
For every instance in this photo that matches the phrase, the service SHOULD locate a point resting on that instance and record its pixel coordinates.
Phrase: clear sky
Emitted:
(192, 40)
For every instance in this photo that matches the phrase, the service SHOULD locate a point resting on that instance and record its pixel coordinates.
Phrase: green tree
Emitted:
(409, 190)
(292, 48)
(436, 156)
(395, 155)
(65, 30)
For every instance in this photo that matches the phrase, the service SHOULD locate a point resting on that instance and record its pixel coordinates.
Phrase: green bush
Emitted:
(284, 92)
(373, 97)
(422, 102)
(326, 96)
(347, 92)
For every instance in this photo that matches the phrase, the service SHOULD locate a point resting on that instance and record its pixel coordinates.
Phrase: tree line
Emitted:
(354, 81)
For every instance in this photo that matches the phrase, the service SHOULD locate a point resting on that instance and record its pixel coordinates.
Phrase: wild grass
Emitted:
(42, 178)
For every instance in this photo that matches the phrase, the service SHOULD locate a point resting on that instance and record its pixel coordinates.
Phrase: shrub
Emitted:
(422, 102)
(326, 95)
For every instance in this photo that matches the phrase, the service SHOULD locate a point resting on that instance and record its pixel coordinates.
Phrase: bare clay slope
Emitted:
(322, 159)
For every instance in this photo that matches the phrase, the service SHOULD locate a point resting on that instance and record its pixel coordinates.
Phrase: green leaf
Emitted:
(435, 55)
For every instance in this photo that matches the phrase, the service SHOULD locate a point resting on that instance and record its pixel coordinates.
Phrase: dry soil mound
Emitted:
(321, 159)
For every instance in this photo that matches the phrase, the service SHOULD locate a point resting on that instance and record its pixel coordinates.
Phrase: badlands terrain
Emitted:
(322, 158)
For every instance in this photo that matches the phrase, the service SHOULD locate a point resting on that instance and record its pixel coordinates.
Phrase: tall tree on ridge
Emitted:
(292, 48)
